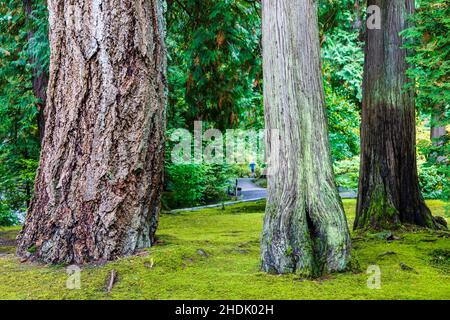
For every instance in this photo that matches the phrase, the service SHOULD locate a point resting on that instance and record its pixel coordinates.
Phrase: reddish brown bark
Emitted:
(389, 192)
(99, 180)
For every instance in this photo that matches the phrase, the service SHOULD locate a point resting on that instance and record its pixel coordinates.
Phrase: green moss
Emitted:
(289, 251)
(7, 239)
(381, 213)
(439, 208)
(7, 249)
(440, 258)
(231, 270)
(9, 233)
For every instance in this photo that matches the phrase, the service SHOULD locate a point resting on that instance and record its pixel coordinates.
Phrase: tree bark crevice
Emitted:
(99, 181)
(388, 192)
(305, 229)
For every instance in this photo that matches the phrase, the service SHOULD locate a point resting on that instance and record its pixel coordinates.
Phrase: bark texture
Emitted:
(305, 229)
(438, 130)
(99, 180)
(389, 192)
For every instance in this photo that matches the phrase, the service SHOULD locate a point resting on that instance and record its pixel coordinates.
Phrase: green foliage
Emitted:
(243, 170)
(187, 183)
(174, 269)
(343, 123)
(7, 217)
(429, 45)
(433, 181)
(430, 52)
(196, 184)
(343, 59)
(433, 170)
(347, 173)
(214, 63)
(432, 163)
(19, 143)
(38, 47)
(440, 258)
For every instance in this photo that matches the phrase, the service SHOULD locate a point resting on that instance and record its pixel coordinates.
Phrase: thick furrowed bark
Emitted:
(388, 187)
(100, 176)
(305, 229)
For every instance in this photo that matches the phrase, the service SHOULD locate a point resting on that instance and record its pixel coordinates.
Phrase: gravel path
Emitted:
(249, 190)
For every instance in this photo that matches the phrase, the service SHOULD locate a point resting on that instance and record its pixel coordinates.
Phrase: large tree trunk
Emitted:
(39, 78)
(388, 185)
(305, 229)
(99, 180)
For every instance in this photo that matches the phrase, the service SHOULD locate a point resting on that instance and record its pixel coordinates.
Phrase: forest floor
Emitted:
(214, 254)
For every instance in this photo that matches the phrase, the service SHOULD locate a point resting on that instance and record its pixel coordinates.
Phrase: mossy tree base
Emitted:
(389, 194)
(305, 230)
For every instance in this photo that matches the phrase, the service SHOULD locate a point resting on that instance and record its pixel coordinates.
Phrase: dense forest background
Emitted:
(215, 75)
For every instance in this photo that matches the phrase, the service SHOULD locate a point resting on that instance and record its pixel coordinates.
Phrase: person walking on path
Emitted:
(252, 168)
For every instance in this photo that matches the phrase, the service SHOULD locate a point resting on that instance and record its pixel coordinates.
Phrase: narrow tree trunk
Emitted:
(99, 180)
(39, 78)
(438, 130)
(305, 229)
(388, 185)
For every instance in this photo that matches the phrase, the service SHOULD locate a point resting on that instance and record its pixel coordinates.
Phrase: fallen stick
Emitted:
(111, 280)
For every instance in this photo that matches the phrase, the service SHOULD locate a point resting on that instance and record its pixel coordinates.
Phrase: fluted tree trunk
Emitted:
(389, 192)
(99, 180)
(305, 229)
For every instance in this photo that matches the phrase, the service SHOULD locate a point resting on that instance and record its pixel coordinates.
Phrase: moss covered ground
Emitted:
(214, 254)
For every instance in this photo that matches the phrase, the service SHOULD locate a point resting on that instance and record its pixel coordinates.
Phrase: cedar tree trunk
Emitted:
(305, 229)
(388, 192)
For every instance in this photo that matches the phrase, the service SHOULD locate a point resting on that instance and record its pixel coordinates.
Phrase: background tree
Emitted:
(342, 65)
(37, 47)
(214, 63)
(389, 192)
(305, 229)
(19, 132)
(430, 63)
(100, 176)
(430, 67)
(24, 57)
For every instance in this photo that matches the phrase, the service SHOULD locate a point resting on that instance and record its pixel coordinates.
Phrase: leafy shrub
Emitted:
(433, 181)
(243, 170)
(187, 183)
(432, 177)
(347, 173)
(7, 217)
(218, 181)
(196, 184)
(343, 123)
